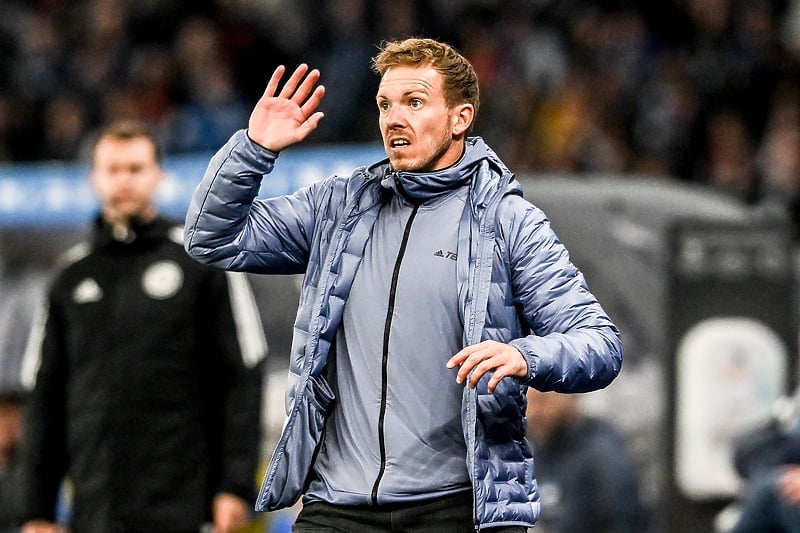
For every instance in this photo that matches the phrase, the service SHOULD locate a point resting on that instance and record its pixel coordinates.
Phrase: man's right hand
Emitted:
(283, 118)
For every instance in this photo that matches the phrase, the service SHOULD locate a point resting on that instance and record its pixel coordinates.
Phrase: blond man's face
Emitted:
(420, 131)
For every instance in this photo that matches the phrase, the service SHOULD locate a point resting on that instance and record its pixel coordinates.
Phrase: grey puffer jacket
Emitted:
(516, 284)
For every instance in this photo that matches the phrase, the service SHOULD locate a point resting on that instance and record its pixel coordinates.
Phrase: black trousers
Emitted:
(451, 514)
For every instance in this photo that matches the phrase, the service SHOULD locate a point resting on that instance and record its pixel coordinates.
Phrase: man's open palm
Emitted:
(283, 118)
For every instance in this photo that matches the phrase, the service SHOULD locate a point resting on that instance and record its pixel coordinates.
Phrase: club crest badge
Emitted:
(87, 291)
(162, 280)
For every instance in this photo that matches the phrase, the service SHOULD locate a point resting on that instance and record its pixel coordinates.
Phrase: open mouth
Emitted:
(399, 143)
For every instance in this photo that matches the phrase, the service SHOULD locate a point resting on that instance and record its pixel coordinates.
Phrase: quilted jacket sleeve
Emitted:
(574, 346)
(227, 226)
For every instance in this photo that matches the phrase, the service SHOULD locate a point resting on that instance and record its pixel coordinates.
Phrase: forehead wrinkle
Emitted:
(416, 83)
(420, 88)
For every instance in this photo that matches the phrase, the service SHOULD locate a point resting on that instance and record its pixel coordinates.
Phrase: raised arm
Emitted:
(225, 224)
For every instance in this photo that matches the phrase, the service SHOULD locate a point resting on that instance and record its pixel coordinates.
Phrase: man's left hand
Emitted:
(504, 359)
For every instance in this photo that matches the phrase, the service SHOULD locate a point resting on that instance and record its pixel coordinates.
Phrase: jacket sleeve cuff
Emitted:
(263, 150)
(241, 149)
(529, 357)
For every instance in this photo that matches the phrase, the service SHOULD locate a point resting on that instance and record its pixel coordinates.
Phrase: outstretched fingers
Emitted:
(288, 111)
(306, 87)
(289, 88)
(301, 88)
(274, 81)
(311, 104)
(311, 124)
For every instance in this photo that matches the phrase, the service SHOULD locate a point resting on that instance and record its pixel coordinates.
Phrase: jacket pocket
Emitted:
(294, 456)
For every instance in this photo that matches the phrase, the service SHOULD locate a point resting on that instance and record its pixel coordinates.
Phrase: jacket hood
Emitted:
(419, 187)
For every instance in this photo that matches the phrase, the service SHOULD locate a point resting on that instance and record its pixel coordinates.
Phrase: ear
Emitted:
(463, 115)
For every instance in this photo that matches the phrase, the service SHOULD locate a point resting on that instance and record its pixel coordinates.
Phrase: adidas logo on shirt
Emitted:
(448, 255)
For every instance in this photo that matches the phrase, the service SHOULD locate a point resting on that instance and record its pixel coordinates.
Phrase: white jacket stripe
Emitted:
(249, 330)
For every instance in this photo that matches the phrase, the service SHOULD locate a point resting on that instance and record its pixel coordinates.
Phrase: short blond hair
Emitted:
(460, 79)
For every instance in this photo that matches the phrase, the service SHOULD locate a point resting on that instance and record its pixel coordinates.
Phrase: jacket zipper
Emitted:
(384, 364)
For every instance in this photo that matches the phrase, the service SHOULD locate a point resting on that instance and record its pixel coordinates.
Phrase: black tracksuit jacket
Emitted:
(142, 400)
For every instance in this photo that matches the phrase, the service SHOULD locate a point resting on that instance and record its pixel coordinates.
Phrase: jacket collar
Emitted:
(479, 167)
(137, 234)
(419, 187)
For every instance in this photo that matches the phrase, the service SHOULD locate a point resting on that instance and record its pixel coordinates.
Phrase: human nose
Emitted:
(121, 177)
(395, 116)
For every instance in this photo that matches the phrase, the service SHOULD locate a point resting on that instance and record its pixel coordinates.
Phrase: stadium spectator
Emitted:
(587, 476)
(655, 76)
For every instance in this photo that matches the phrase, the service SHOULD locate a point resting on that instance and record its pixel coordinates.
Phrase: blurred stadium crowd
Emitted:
(705, 90)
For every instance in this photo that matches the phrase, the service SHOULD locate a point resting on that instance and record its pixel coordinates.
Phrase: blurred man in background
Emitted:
(587, 479)
(147, 368)
(768, 459)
